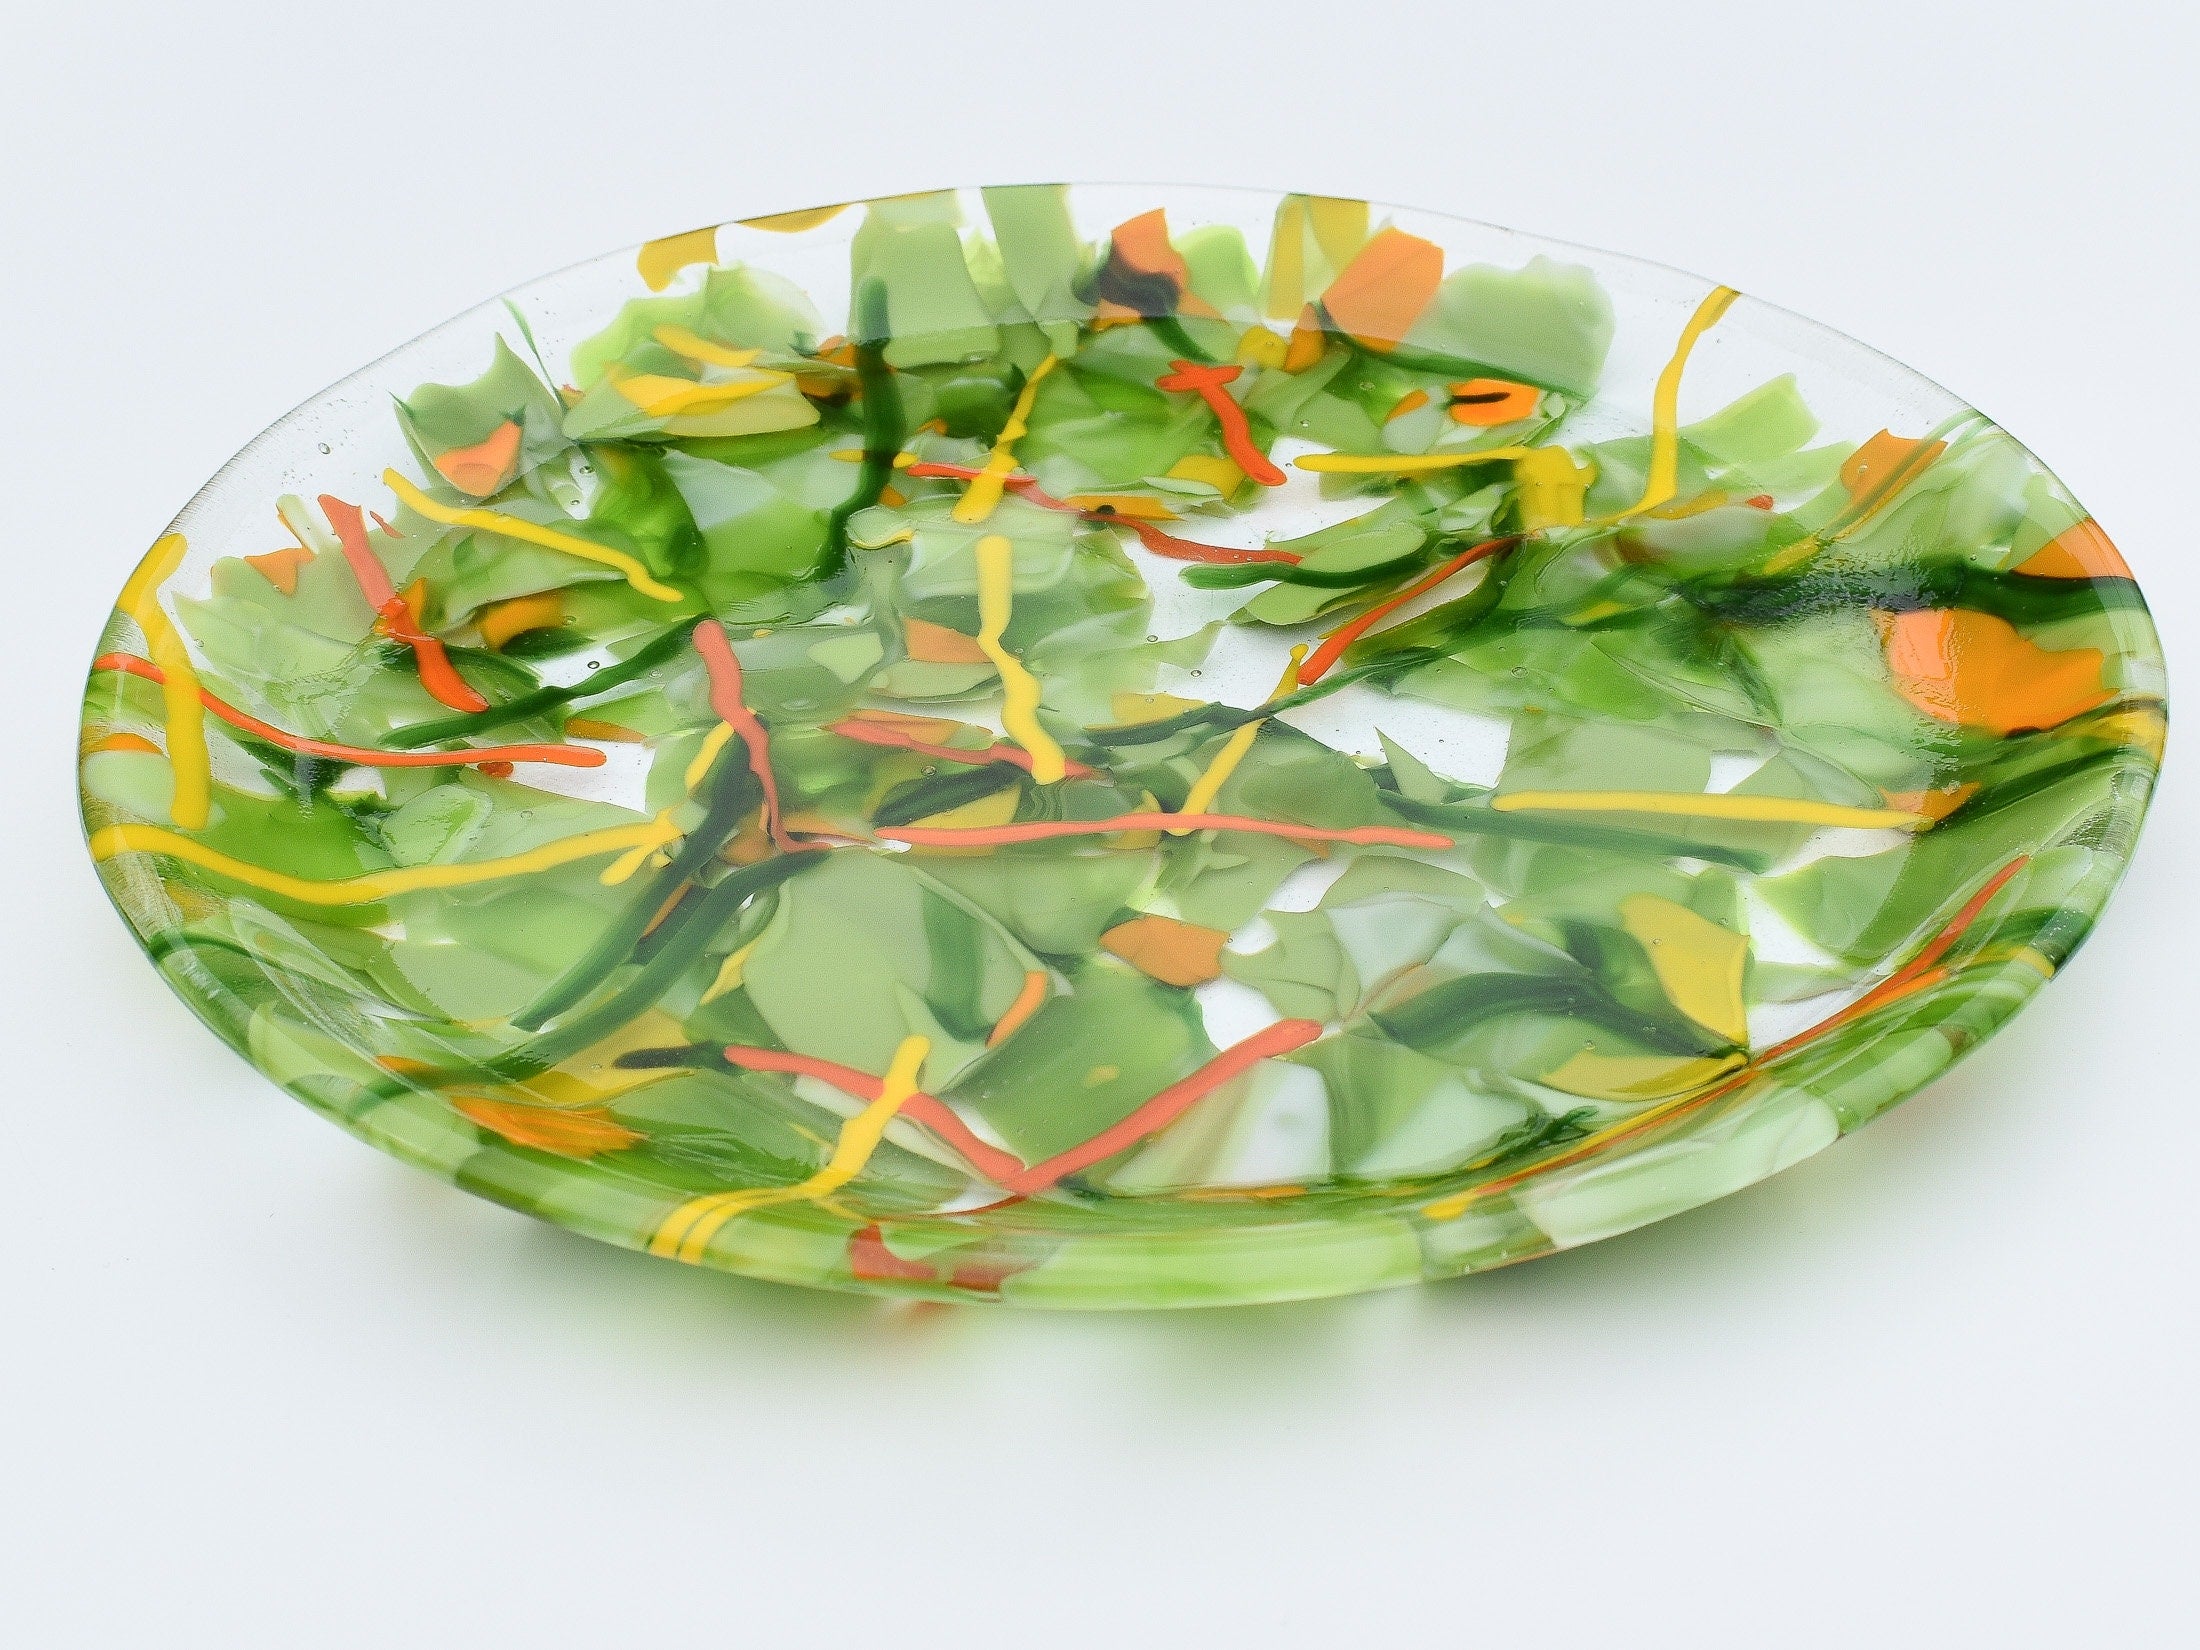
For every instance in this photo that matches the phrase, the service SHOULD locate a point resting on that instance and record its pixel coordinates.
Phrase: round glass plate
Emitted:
(1114, 746)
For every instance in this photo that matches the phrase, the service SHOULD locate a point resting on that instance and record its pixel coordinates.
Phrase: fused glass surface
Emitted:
(1102, 747)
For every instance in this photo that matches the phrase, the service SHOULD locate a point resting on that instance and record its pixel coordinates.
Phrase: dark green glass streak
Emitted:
(643, 659)
(684, 1056)
(1439, 632)
(734, 791)
(936, 793)
(1232, 575)
(1222, 718)
(654, 977)
(1444, 1012)
(2019, 598)
(1485, 821)
(884, 426)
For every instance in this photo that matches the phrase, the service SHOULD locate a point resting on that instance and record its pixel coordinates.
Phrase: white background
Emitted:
(261, 1386)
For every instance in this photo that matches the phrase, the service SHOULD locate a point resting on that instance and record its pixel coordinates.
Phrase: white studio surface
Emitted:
(266, 1387)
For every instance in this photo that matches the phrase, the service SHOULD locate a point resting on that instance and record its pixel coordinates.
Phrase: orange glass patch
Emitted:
(501, 621)
(1307, 342)
(1382, 291)
(484, 467)
(1176, 953)
(280, 567)
(1411, 401)
(1142, 245)
(1962, 666)
(580, 1133)
(1871, 464)
(1487, 401)
(935, 644)
(2080, 552)
(124, 742)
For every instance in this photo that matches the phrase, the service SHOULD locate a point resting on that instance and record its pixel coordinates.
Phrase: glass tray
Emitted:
(1114, 746)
